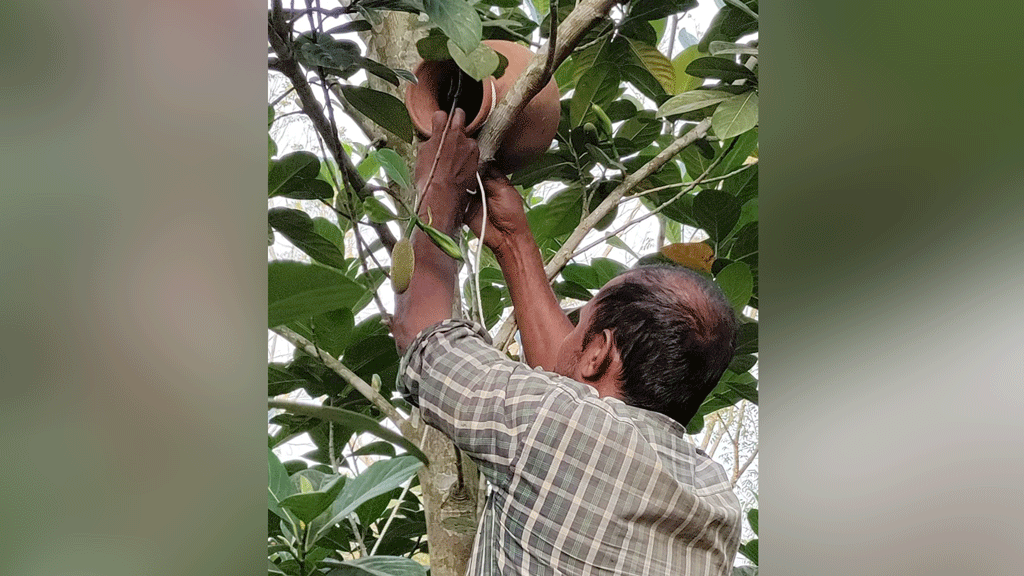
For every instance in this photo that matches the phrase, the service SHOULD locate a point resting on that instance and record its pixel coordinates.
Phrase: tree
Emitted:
(647, 135)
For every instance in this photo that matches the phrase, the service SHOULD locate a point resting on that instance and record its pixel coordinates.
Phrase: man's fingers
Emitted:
(438, 120)
(459, 120)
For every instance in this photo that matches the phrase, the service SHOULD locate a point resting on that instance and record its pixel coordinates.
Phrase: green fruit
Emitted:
(403, 262)
(606, 122)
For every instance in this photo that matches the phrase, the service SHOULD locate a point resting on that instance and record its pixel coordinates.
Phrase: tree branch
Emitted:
(276, 33)
(564, 254)
(537, 73)
(744, 467)
(340, 369)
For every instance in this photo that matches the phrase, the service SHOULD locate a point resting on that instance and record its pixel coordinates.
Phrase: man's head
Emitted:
(657, 337)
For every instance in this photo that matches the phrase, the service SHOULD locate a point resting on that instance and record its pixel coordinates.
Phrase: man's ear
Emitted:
(600, 357)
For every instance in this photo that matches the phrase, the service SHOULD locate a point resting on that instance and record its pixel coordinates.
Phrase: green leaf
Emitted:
(735, 116)
(655, 62)
(378, 448)
(300, 230)
(746, 338)
(382, 108)
(351, 421)
(744, 571)
(380, 477)
(655, 9)
(479, 64)
(557, 216)
(729, 24)
(329, 331)
(298, 291)
(377, 210)
(377, 566)
(601, 76)
(433, 47)
(737, 283)
(716, 212)
(750, 550)
(684, 81)
(308, 505)
(718, 47)
(279, 486)
(692, 100)
(719, 68)
(743, 362)
(459, 21)
(294, 175)
(752, 519)
(394, 166)
(618, 243)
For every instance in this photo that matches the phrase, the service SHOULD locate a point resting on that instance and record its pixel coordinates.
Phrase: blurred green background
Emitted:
(132, 288)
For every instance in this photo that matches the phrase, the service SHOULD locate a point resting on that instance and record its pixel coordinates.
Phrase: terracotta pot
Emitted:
(532, 130)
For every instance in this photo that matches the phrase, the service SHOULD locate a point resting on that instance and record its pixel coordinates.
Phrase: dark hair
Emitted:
(675, 332)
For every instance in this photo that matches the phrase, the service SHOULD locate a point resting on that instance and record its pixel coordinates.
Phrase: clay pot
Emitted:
(532, 130)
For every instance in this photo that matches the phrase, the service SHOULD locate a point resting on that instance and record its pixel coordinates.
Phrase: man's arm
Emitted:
(428, 300)
(542, 324)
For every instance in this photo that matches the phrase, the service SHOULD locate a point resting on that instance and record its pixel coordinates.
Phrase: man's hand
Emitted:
(455, 166)
(428, 299)
(506, 219)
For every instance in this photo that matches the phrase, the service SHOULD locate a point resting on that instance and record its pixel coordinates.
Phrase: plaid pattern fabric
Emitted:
(579, 485)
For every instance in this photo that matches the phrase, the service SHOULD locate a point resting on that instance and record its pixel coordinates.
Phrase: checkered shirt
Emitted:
(579, 485)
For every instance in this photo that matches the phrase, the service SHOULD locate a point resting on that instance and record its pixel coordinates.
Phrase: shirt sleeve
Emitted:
(477, 396)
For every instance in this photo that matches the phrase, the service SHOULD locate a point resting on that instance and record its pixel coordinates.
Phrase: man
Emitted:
(589, 468)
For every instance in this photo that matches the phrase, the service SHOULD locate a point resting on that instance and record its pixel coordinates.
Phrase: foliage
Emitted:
(624, 100)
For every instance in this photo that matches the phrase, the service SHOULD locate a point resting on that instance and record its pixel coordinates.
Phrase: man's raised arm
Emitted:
(542, 324)
(428, 299)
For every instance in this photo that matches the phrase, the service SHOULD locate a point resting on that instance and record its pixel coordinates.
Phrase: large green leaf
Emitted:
(352, 421)
(716, 212)
(300, 230)
(297, 291)
(692, 100)
(749, 550)
(719, 68)
(309, 505)
(381, 107)
(557, 216)
(684, 81)
(737, 283)
(294, 176)
(595, 275)
(479, 64)
(655, 62)
(382, 476)
(377, 566)
(279, 486)
(752, 519)
(459, 21)
(729, 24)
(735, 116)
(394, 166)
(329, 331)
(656, 9)
(598, 81)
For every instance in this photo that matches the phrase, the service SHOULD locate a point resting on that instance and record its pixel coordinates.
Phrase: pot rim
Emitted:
(424, 125)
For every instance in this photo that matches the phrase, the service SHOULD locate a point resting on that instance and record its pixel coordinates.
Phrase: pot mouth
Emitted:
(440, 83)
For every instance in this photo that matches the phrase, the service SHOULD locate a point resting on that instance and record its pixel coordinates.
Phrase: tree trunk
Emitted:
(451, 483)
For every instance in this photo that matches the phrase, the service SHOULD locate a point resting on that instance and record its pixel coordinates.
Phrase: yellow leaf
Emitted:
(656, 63)
(693, 255)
